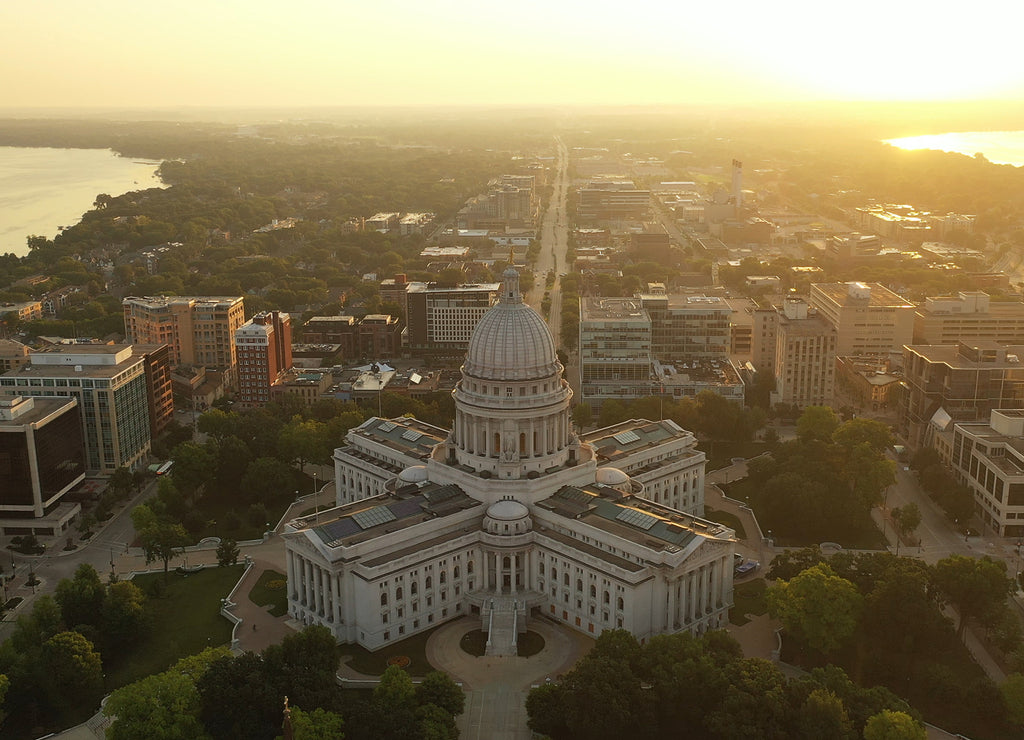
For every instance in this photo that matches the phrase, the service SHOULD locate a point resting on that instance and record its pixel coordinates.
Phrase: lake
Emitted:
(44, 189)
(1001, 147)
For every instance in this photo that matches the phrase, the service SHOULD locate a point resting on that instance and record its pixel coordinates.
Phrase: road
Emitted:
(554, 241)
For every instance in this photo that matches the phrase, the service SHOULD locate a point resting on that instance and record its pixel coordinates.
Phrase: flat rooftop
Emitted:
(364, 520)
(627, 437)
(950, 354)
(410, 436)
(637, 520)
(42, 407)
(597, 308)
(880, 297)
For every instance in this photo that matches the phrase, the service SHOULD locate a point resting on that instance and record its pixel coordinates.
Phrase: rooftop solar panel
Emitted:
(386, 426)
(637, 518)
(368, 518)
(627, 437)
(411, 434)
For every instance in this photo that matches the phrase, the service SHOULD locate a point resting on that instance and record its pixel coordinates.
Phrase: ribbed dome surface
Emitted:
(511, 341)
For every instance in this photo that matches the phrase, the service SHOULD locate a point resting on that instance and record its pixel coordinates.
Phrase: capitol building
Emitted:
(511, 514)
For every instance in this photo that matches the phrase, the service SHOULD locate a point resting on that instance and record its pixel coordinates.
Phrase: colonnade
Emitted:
(482, 435)
(515, 564)
(314, 588)
(696, 594)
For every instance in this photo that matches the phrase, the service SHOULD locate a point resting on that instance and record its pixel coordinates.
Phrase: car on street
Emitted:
(746, 568)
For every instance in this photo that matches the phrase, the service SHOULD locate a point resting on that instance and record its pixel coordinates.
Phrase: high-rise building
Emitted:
(685, 328)
(42, 457)
(441, 318)
(109, 382)
(264, 353)
(199, 330)
(805, 357)
(511, 513)
(969, 317)
(159, 387)
(961, 382)
(869, 318)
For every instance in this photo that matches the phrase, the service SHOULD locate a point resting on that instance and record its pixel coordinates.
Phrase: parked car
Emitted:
(746, 568)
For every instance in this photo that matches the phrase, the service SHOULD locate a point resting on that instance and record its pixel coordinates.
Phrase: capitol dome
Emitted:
(511, 341)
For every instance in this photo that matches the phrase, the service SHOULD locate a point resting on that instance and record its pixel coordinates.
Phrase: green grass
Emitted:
(748, 598)
(720, 453)
(262, 595)
(375, 663)
(183, 621)
(474, 642)
(730, 520)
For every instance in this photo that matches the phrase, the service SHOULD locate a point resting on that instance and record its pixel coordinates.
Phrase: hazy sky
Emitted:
(169, 53)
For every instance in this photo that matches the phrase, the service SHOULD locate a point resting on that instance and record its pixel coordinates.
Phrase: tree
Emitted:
(438, 688)
(227, 552)
(73, 670)
(817, 422)
(582, 415)
(303, 441)
(974, 586)
(194, 465)
(317, 725)
(906, 519)
(120, 482)
(238, 699)
(162, 541)
(265, 478)
(754, 703)
(817, 606)
(544, 708)
(81, 598)
(123, 617)
(889, 725)
(859, 431)
(823, 715)
(1012, 690)
(612, 412)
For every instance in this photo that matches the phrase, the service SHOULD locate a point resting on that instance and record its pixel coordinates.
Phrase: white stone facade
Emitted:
(511, 513)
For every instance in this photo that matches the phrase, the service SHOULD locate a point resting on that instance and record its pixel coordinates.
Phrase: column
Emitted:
(673, 585)
(705, 601)
(289, 563)
(684, 603)
(693, 594)
(515, 571)
(304, 586)
(318, 585)
(485, 570)
(337, 599)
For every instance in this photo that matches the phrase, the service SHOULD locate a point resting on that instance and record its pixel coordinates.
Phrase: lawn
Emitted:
(262, 594)
(184, 620)
(720, 453)
(474, 642)
(376, 662)
(730, 520)
(748, 598)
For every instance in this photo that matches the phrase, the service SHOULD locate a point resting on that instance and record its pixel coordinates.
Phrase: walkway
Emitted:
(496, 687)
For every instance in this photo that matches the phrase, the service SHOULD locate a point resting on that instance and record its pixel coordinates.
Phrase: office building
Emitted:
(441, 318)
(109, 382)
(511, 514)
(988, 457)
(957, 383)
(42, 457)
(12, 355)
(969, 317)
(869, 319)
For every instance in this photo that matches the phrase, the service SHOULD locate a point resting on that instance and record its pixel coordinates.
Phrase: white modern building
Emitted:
(510, 514)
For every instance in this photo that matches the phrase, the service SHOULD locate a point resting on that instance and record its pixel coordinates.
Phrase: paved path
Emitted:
(496, 687)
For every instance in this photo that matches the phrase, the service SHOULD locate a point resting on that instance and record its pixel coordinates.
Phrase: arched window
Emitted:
(398, 593)
(522, 444)
(593, 592)
(619, 604)
(455, 572)
(565, 578)
(496, 449)
(442, 577)
(507, 562)
(469, 567)
(414, 589)
(540, 569)
(554, 573)
(607, 598)
(428, 583)
(383, 599)
(579, 584)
